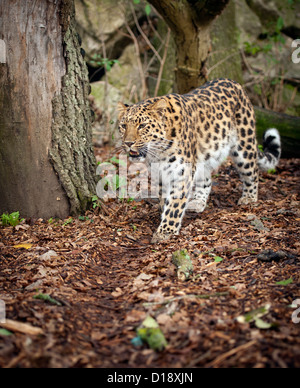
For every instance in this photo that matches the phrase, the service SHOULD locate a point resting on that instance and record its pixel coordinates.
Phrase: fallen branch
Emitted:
(191, 296)
(21, 327)
(217, 361)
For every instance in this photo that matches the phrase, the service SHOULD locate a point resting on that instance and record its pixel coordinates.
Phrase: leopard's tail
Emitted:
(269, 158)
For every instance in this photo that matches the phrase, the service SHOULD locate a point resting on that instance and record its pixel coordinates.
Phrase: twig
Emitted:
(217, 361)
(144, 35)
(140, 66)
(191, 296)
(21, 327)
(154, 30)
(15, 360)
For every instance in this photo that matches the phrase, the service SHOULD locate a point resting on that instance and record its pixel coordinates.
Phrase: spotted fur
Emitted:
(191, 135)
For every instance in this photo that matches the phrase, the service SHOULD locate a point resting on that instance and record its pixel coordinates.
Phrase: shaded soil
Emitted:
(107, 278)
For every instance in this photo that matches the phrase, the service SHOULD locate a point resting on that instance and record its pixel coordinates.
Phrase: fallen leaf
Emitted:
(5, 332)
(285, 282)
(254, 314)
(35, 285)
(257, 224)
(48, 255)
(260, 324)
(144, 276)
(163, 319)
(135, 316)
(25, 246)
(218, 259)
(117, 292)
(98, 335)
(150, 323)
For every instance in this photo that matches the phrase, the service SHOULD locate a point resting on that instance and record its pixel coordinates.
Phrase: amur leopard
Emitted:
(190, 136)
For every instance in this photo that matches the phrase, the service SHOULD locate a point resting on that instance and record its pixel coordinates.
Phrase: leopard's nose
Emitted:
(129, 144)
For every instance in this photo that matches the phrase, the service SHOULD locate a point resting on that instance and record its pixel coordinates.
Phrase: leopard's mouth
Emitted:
(134, 154)
(137, 156)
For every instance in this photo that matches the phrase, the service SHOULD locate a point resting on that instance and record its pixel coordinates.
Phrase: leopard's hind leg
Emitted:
(245, 153)
(248, 172)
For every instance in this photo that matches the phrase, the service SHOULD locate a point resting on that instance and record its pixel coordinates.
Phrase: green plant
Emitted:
(261, 148)
(268, 84)
(251, 48)
(12, 219)
(218, 259)
(68, 221)
(95, 202)
(285, 282)
(99, 61)
(147, 6)
(115, 160)
(272, 39)
(119, 183)
(112, 181)
(47, 298)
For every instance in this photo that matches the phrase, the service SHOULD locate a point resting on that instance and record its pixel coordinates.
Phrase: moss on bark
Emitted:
(288, 126)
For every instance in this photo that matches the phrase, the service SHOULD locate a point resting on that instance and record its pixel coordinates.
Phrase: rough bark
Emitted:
(71, 152)
(190, 22)
(28, 82)
(37, 73)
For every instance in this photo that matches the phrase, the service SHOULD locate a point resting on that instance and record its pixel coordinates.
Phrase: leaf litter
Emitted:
(107, 279)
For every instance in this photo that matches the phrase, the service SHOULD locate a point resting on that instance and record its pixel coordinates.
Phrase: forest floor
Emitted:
(105, 278)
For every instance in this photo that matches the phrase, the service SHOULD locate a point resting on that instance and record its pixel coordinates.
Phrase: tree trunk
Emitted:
(288, 126)
(225, 58)
(190, 23)
(192, 53)
(47, 166)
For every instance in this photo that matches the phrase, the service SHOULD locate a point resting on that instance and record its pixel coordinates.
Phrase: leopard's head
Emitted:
(142, 129)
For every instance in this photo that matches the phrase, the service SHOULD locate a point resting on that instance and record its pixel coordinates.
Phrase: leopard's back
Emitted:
(192, 134)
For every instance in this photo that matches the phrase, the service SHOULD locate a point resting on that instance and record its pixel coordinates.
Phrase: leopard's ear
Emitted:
(159, 105)
(122, 108)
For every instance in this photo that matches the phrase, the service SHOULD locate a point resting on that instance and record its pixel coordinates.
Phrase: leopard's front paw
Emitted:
(159, 237)
(196, 205)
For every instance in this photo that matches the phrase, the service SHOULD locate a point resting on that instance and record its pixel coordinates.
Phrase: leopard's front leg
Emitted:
(171, 218)
(177, 195)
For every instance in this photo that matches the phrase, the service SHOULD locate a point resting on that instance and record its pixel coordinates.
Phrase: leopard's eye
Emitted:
(122, 127)
(141, 126)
